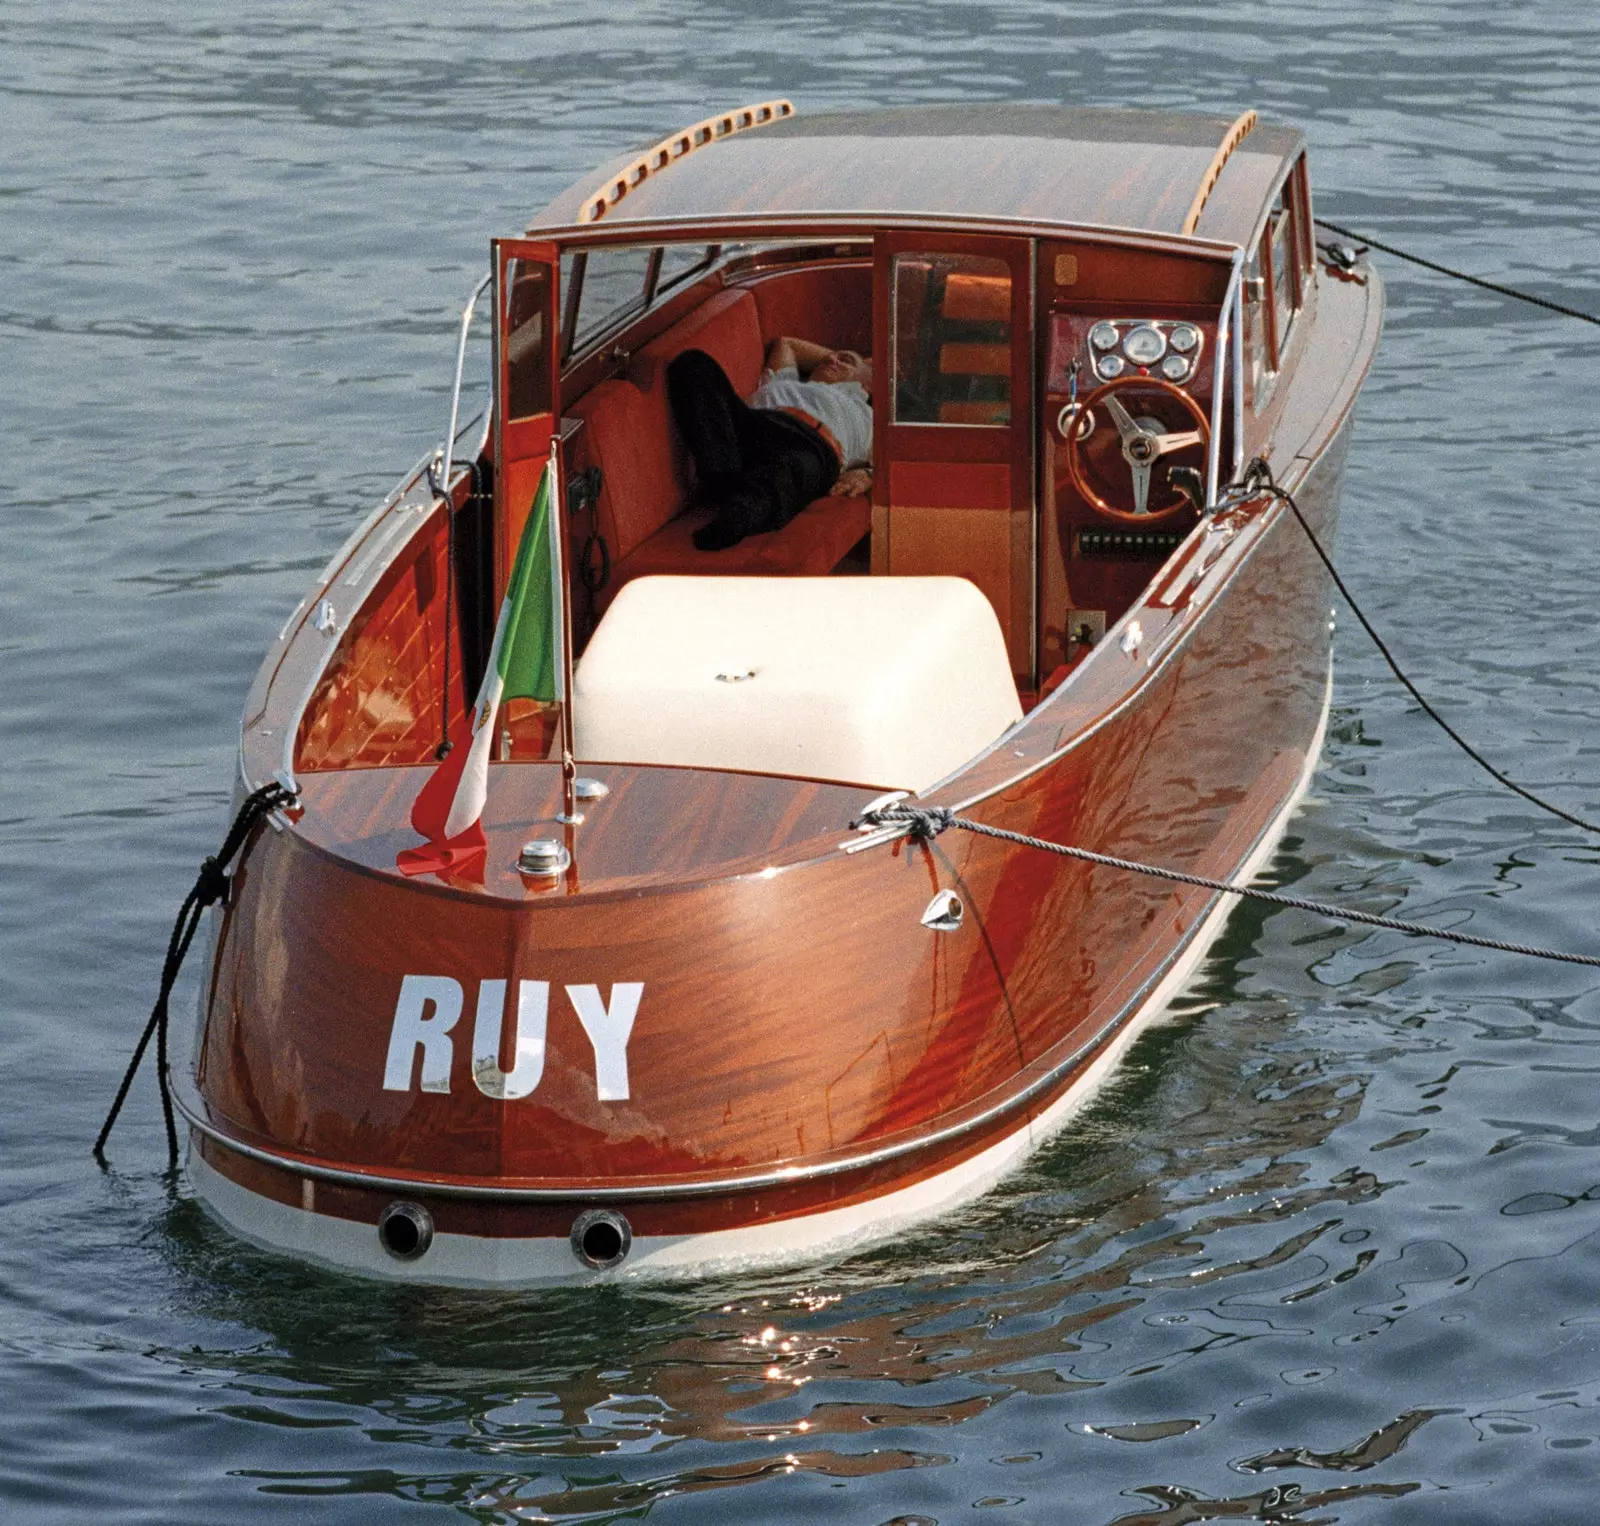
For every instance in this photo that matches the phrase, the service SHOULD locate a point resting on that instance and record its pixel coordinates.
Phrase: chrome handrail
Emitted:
(1227, 352)
(447, 451)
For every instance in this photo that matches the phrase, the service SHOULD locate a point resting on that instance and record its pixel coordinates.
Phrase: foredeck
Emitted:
(1076, 166)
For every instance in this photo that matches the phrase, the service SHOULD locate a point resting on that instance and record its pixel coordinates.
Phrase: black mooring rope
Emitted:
(1258, 479)
(923, 823)
(1460, 275)
(211, 885)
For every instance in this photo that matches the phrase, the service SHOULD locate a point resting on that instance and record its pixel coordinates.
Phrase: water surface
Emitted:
(1327, 1249)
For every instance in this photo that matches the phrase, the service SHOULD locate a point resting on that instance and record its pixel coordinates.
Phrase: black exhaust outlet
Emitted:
(601, 1238)
(405, 1230)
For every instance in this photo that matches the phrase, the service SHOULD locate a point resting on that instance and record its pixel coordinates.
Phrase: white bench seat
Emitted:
(887, 682)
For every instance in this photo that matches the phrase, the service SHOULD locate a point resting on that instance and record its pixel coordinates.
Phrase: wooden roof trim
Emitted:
(679, 146)
(1234, 136)
(862, 224)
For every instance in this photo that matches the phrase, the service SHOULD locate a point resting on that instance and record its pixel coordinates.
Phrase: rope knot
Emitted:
(211, 884)
(922, 822)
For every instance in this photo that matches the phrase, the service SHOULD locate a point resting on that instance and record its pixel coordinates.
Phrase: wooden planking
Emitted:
(1127, 169)
(793, 1016)
(378, 701)
(719, 822)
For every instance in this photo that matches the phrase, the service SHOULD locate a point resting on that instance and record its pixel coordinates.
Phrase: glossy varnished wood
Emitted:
(1068, 165)
(792, 1015)
(796, 1013)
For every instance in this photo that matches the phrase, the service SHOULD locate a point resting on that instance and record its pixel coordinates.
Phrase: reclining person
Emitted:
(806, 431)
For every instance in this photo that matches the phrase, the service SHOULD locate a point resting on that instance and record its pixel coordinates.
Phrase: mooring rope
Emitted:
(210, 886)
(1258, 479)
(1457, 275)
(922, 823)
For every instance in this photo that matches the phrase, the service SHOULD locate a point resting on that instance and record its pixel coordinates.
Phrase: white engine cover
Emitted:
(888, 682)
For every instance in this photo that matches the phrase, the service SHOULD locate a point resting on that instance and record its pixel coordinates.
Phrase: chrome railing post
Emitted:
(1226, 354)
(447, 454)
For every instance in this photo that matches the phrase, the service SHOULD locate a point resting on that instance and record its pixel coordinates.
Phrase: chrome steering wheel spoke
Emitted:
(1172, 440)
(1120, 416)
(1141, 486)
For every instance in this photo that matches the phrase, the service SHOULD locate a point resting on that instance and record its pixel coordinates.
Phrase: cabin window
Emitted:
(680, 261)
(1257, 366)
(527, 343)
(1283, 241)
(952, 339)
(608, 286)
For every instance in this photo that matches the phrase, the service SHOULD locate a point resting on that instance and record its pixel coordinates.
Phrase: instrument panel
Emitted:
(1103, 349)
(1170, 349)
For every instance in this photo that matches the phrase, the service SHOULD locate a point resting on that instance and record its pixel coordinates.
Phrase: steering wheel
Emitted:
(1143, 443)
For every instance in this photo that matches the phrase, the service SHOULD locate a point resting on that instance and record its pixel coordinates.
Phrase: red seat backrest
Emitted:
(631, 438)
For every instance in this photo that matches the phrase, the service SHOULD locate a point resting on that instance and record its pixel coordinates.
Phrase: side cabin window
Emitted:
(1283, 241)
(1275, 283)
(603, 288)
(680, 261)
(952, 339)
(527, 353)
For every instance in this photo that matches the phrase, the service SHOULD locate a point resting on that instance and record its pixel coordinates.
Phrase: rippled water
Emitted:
(1326, 1251)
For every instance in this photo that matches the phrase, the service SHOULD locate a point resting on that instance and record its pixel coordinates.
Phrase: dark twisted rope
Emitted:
(1258, 479)
(1458, 275)
(923, 823)
(210, 886)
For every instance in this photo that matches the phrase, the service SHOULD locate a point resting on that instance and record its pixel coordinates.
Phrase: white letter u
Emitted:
(533, 1010)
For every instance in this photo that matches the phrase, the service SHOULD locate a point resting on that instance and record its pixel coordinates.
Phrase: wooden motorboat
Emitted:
(674, 1012)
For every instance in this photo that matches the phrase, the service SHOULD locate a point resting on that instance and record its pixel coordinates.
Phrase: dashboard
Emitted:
(1103, 349)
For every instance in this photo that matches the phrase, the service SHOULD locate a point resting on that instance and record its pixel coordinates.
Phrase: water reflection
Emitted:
(1358, 1182)
(1182, 1219)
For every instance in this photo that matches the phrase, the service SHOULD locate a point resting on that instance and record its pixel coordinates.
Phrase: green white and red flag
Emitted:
(525, 662)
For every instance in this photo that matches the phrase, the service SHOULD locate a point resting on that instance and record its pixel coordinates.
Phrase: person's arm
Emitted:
(802, 354)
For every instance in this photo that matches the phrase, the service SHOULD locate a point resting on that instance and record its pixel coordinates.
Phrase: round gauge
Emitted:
(1175, 368)
(1108, 366)
(1144, 346)
(1103, 336)
(1184, 337)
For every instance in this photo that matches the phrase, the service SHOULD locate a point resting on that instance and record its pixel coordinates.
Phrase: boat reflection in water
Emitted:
(661, 1010)
(1175, 1228)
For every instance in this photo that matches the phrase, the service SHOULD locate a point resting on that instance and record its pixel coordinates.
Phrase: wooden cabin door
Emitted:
(526, 372)
(953, 419)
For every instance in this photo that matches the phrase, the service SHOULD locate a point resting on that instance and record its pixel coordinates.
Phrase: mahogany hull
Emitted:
(809, 1065)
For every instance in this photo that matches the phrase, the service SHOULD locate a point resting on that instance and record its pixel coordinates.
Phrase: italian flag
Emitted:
(524, 663)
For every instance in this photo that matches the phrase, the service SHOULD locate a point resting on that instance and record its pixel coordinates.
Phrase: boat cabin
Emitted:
(1076, 321)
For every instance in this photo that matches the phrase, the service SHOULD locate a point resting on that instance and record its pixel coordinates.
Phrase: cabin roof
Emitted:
(1055, 164)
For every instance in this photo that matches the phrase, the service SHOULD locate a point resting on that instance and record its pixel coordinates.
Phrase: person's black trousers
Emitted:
(757, 468)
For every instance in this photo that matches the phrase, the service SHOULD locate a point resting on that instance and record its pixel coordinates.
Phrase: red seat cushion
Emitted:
(727, 328)
(812, 544)
(644, 470)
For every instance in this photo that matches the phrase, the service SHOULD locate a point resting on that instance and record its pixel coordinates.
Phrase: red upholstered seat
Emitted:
(645, 473)
(812, 544)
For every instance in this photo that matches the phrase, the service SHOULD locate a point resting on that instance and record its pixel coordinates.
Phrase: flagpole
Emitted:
(558, 564)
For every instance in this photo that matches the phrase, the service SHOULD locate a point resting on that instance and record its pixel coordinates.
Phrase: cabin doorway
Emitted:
(954, 420)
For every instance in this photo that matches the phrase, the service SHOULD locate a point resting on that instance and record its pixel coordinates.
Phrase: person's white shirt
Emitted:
(844, 407)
